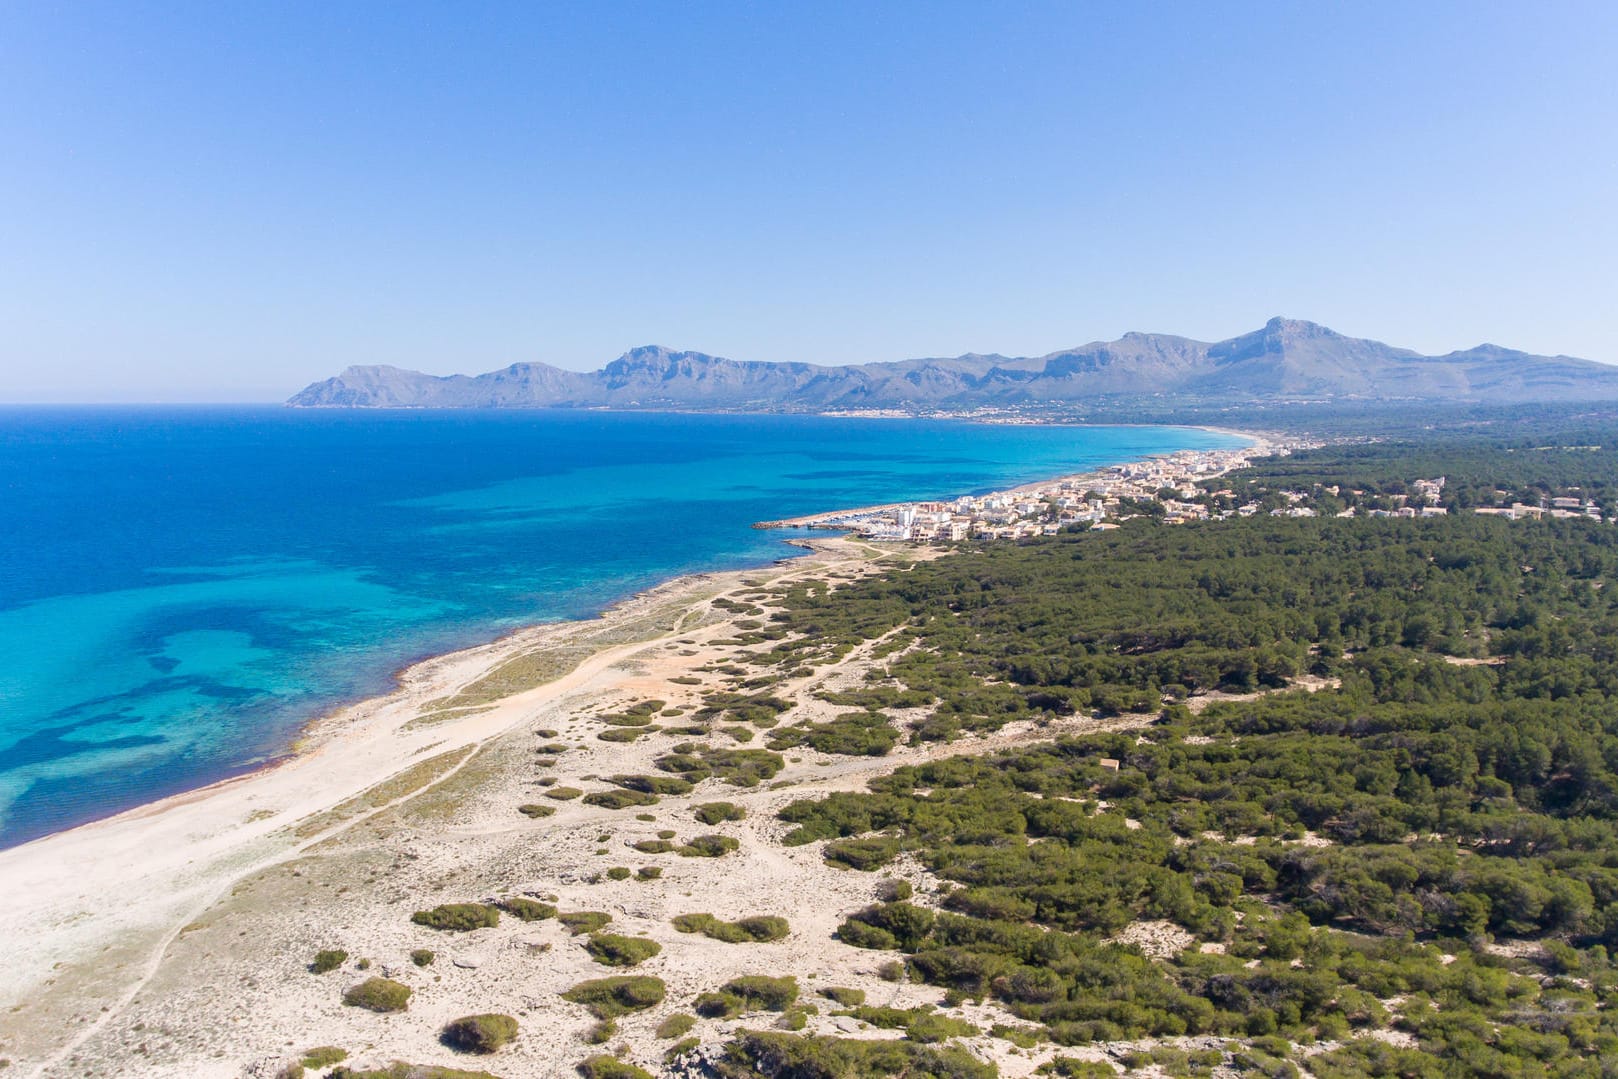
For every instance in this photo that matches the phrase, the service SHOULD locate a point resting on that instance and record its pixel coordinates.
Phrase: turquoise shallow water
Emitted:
(182, 589)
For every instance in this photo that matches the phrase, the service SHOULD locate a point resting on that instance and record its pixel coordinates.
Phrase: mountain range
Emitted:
(1285, 360)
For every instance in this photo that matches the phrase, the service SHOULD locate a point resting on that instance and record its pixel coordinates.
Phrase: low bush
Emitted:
(608, 998)
(708, 846)
(618, 872)
(562, 794)
(738, 767)
(479, 1033)
(619, 799)
(528, 910)
(652, 784)
(609, 1067)
(328, 960)
(458, 917)
(761, 993)
(623, 734)
(766, 1054)
(751, 930)
(579, 922)
(719, 812)
(378, 995)
(422, 957)
(613, 950)
(654, 846)
(649, 872)
(536, 811)
(865, 854)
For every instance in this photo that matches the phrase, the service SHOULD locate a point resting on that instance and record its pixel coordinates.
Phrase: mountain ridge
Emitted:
(1283, 360)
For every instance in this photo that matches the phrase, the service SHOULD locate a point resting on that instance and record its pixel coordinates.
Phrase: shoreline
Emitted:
(309, 732)
(105, 901)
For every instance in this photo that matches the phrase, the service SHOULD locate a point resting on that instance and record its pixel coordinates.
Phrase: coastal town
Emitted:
(1167, 485)
(1174, 488)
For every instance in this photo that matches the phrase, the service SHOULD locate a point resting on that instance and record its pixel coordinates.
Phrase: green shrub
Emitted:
(707, 846)
(479, 1033)
(654, 846)
(761, 993)
(601, 1032)
(619, 799)
(865, 854)
(608, 1067)
(717, 1005)
(618, 872)
(676, 1025)
(719, 812)
(848, 998)
(622, 734)
(528, 910)
(608, 998)
(562, 794)
(458, 917)
(649, 872)
(535, 810)
(578, 922)
(328, 960)
(860, 734)
(378, 995)
(613, 950)
(738, 767)
(653, 784)
(422, 957)
(751, 930)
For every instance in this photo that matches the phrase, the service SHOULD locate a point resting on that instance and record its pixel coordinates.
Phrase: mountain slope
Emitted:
(1283, 360)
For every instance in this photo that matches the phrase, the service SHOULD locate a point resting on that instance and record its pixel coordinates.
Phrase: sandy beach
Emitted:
(175, 940)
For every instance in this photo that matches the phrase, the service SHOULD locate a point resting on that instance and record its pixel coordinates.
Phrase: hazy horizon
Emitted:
(217, 204)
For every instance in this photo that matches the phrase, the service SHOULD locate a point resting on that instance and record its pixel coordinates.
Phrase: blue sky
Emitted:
(226, 201)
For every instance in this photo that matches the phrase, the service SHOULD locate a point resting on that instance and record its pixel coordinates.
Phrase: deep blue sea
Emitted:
(182, 589)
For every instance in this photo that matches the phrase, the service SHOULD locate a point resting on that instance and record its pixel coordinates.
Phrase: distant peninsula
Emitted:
(1285, 360)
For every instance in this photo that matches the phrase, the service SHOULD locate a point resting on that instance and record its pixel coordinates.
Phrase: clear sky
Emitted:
(225, 201)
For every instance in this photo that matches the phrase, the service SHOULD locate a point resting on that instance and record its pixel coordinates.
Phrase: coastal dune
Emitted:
(92, 912)
(176, 940)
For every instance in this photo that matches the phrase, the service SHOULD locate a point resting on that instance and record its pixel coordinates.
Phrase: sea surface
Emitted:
(182, 589)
